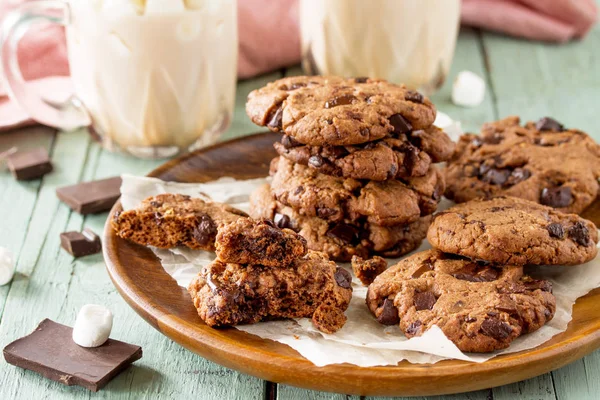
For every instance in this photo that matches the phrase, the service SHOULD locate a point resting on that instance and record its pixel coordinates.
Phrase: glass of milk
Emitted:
(403, 41)
(150, 77)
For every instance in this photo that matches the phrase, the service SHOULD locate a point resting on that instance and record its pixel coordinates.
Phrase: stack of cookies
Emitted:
(356, 173)
(473, 286)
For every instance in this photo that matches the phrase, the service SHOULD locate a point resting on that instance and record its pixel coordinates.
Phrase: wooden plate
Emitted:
(153, 294)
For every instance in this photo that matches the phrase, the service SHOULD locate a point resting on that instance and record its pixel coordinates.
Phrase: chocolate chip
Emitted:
(470, 319)
(580, 234)
(424, 301)
(340, 101)
(414, 328)
(297, 85)
(335, 151)
(298, 190)
(496, 176)
(486, 274)
(540, 284)
(556, 196)
(289, 142)
(343, 278)
(495, 328)
(400, 124)
(549, 124)
(414, 96)
(389, 313)
(325, 212)
(275, 118)
(361, 79)
(556, 230)
(518, 175)
(392, 171)
(282, 221)
(365, 132)
(316, 161)
(421, 270)
(344, 232)
(205, 230)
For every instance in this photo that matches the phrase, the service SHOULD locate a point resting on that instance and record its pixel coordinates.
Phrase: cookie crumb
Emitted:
(368, 270)
(328, 319)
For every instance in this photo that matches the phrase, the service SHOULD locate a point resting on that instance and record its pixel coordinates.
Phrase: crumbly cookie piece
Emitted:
(171, 220)
(479, 307)
(341, 240)
(510, 230)
(368, 270)
(258, 242)
(385, 203)
(227, 294)
(540, 162)
(318, 110)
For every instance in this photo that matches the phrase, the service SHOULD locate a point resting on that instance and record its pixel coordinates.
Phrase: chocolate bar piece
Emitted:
(27, 165)
(51, 352)
(81, 244)
(91, 197)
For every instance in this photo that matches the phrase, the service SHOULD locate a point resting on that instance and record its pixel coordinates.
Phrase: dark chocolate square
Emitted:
(91, 197)
(27, 165)
(51, 352)
(80, 244)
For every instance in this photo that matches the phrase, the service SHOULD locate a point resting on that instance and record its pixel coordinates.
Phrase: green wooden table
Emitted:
(524, 78)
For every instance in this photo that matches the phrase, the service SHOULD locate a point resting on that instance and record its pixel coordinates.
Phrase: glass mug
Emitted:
(151, 77)
(403, 41)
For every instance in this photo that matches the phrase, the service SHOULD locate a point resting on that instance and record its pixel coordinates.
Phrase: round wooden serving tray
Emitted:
(153, 294)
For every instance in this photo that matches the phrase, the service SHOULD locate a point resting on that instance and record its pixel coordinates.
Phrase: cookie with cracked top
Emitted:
(386, 203)
(480, 307)
(510, 230)
(227, 294)
(258, 242)
(540, 162)
(404, 156)
(317, 110)
(340, 240)
(171, 220)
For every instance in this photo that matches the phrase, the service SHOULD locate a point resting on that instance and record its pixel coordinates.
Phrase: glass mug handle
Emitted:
(67, 115)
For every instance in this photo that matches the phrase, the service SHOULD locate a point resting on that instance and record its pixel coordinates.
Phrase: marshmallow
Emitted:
(452, 128)
(164, 6)
(92, 326)
(468, 89)
(7, 266)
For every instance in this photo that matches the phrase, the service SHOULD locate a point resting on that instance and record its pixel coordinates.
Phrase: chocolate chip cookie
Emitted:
(510, 230)
(258, 242)
(386, 203)
(335, 111)
(344, 239)
(540, 162)
(170, 220)
(404, 156)
(480, 307)
(367, 270)
(227, 294)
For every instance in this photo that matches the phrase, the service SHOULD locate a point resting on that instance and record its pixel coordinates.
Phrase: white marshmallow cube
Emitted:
(164, 6)
(468, 89)
(92, 326)
(7, 266)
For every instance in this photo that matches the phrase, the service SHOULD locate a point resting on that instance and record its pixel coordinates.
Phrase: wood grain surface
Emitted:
(526, 78)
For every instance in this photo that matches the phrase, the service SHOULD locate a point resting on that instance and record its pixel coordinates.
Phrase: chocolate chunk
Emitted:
(421, 270)
(205, 230)
(496, 176)
(389, 313)
(27, 165)
(80, 244)
(414, 328)
(275, 119)
(486, 274)
(91, 197)
(297, 85)
(344, 232)
(495, 328)
(424, 301)
(282, 221)
(316, 161)
(556, 230)
(361, 79)
(340, 101)
(518, 175)
(365, 132)
(549, 124)
(335, 151)
(343, 278)
(414, 96)
(325, 212)
(543, 285)
(556, 196)
(298, 190)
(580, 234)
(289, 142)
(51, 352)
(400, 124)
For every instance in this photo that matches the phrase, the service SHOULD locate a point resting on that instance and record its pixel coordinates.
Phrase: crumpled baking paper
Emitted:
(362, 341)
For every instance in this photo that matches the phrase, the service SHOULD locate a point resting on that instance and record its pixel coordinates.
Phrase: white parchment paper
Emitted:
(362, 341)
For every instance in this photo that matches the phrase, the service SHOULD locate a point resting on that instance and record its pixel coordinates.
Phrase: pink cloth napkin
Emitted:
(269, 37)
